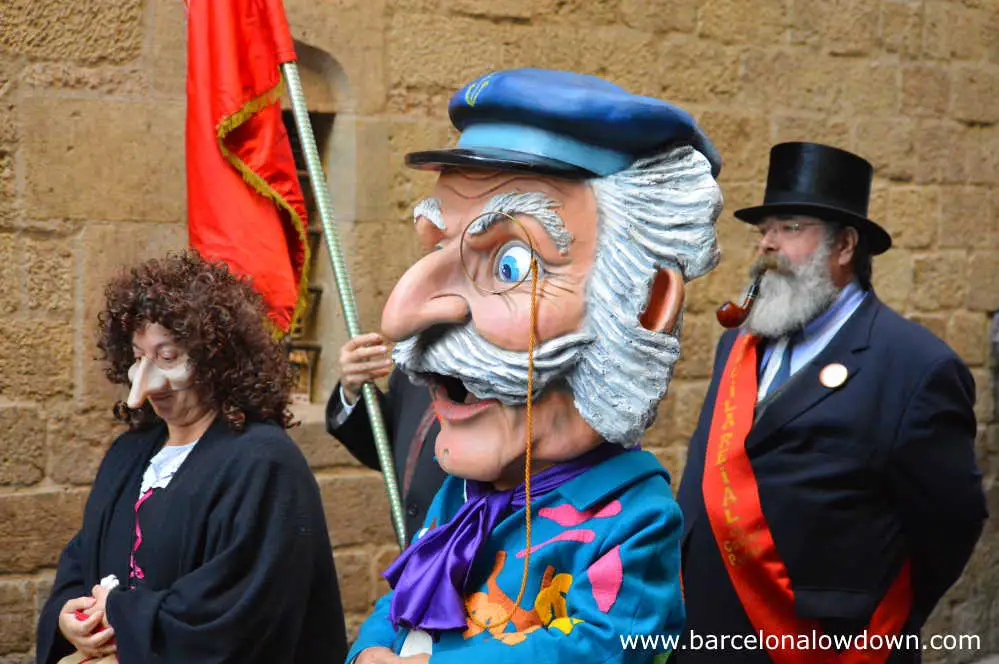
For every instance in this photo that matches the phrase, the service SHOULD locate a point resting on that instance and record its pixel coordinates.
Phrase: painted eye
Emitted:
(513, 263)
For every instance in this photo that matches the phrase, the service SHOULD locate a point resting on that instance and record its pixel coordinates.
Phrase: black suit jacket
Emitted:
(404, 407)
(853, 481)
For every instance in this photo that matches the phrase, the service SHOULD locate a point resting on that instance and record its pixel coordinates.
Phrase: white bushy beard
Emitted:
(791, 295)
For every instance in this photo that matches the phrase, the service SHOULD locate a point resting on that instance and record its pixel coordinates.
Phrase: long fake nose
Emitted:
(146, 377)
(432, 292)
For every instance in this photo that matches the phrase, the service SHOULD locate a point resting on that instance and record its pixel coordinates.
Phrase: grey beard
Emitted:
(787, 302)
(486, 370)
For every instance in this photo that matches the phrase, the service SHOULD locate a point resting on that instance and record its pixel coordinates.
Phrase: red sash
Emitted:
(740, 529)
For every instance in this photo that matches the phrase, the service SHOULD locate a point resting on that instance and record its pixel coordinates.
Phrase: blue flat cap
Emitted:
(560, 123)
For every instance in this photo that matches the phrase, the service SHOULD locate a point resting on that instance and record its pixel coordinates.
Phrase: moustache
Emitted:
(772, 263)
(486, 370)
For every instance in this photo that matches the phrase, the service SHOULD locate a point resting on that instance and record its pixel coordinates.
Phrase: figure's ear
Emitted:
(665, 302)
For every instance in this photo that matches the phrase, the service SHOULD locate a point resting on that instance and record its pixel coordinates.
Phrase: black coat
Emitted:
(852, 481)
(404, 407)
(235, 551)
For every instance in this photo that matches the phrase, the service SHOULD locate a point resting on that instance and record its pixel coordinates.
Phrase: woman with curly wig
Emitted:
(204, 512)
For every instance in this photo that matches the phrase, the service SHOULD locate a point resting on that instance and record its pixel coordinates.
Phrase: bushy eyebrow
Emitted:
(430, 208)
(533, 204)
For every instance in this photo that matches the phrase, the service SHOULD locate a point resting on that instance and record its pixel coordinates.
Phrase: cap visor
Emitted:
(495, 159)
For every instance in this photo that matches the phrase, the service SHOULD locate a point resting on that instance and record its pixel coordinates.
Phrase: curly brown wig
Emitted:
(218, 318)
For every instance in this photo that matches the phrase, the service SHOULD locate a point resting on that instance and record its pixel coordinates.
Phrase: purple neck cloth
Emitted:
(430, 576)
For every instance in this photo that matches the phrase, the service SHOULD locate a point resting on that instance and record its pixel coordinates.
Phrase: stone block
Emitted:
(320, 448)
(352, 33)
(408, 186)
(111, 160)
(974, 93)
(984, 386)
(935, 323)
(77, 441)
(10, 275)
(925, 90)
(983, 275)
(894, 278)
(17, 616)
(673, 459)
(913, 216)
(878, 205)
(22, 446)
(901, 27)
(696, 70)
(890, 145)
(746, 141)
(92, 32)
(843, 27)
(50, 267)
(940, 281)
(169, 62)
(35, 527)
(9, 203)
(414, 6)
(698, 340)
(933, 147)
(105, 250)
(584, 13)
(981, 149)
(122, 80)
(792, 80)
(971, 33)
(35, 360)
(937, 28)
(967, 217)
(11, 67)
(628, 57)
(461, 49)
(650, 15)
(968, 335)
(498, 10)
(682, 410)
(353, 569)
(759, 23)
(357, 509)
(380, 562)
(802, 128)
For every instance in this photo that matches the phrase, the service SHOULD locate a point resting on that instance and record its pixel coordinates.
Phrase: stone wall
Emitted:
(92, 177)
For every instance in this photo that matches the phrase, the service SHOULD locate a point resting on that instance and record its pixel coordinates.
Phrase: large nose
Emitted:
(145, 378)
(431, 292)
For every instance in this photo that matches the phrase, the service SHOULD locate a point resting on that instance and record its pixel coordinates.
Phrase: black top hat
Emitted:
(820, 181)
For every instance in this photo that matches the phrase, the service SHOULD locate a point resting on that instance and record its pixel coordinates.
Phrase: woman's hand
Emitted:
(100, 595)
(80, 633)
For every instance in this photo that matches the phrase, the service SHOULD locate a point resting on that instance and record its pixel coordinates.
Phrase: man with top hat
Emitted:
(831, 488)
(545, 319)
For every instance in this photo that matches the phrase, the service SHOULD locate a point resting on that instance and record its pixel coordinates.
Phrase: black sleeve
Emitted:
(936, 481)
(355, 433)
(69, 584)
(266, 552)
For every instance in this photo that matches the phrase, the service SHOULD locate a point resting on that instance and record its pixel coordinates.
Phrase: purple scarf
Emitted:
(430, 576)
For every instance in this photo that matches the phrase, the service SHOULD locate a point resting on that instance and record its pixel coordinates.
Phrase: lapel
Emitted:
(805, 391)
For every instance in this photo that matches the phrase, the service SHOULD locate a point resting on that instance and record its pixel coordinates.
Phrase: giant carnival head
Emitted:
(560, 235)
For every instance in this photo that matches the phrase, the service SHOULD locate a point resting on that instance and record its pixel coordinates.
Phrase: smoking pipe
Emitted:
(731, 315)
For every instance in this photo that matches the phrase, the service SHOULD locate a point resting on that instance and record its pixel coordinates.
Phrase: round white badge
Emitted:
(833, 375)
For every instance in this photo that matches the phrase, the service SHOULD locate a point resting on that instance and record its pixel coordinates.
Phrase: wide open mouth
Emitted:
(450, 388)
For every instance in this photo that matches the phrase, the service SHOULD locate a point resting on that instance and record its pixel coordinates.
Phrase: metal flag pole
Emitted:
(316, 177)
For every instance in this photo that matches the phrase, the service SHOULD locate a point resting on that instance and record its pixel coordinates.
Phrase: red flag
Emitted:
(245, 205)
